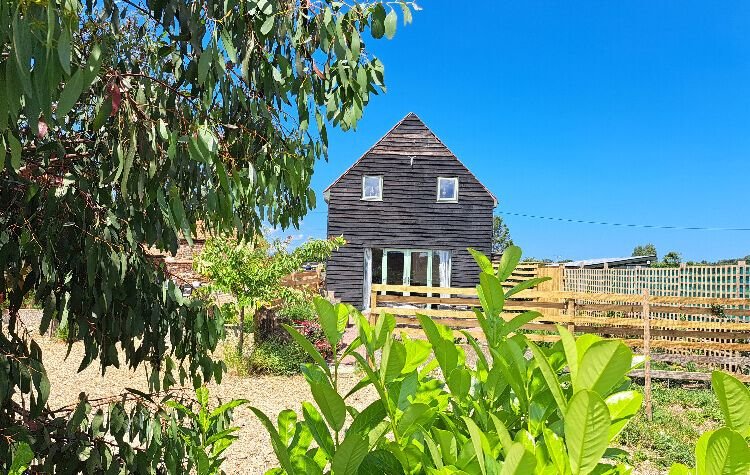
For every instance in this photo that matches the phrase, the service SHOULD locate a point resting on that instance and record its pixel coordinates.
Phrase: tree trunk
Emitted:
(241, 343)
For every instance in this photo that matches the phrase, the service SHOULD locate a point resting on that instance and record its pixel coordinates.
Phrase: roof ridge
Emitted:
(434, 135)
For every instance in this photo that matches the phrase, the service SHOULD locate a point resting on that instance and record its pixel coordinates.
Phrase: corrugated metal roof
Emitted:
(611, 261)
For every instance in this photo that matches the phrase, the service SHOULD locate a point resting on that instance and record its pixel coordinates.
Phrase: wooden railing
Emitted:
(712, 331)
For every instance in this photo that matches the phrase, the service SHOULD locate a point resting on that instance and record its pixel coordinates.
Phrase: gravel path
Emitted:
(251, 453)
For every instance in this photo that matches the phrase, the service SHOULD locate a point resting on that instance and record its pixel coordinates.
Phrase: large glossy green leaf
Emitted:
(622, 406)
(491, 295)
(417, 416)
(287, 421)
(519, 461)
(331, 404)
(586, 428)
(369, 418)
(679, 469)
(722, 452)
(459, 382)
(308, 347)
(550, 377)
(349, 454)
(441, 339)
(570, 349)
(526, 284)
(557, 451)
(278, 446)
(518, 321)
(380, 462)
(501, 430)
(392, 361)
(603, 366)
(328, 320)
(417, 353)
(318, 428)
(475, 434)
(508, 262)
(484, 263)
(734, 400)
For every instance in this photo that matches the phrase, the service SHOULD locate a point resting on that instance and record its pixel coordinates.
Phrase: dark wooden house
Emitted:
(409, 209)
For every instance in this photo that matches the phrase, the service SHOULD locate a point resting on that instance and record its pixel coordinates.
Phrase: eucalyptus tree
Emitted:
(122, 124)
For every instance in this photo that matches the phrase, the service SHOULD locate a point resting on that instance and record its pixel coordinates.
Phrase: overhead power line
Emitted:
(623, 225)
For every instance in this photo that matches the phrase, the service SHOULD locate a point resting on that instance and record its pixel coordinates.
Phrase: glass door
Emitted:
(413, 267)
(419, 271)
(394, 268)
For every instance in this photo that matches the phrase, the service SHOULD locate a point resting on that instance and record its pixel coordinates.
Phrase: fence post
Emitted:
(570, 309)
(647, 353)
(373, 304)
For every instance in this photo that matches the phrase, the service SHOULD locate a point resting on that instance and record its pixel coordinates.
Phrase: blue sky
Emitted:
(629, 112)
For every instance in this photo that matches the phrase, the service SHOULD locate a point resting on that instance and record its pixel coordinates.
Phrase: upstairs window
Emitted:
(372, 188)
(447, 189)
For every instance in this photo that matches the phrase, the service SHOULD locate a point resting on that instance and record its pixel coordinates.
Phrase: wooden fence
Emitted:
(710, 331)
(725, 281)
(304, 280)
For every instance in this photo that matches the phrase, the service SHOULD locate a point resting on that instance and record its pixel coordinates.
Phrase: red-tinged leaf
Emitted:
(318, 71)
(116, 96)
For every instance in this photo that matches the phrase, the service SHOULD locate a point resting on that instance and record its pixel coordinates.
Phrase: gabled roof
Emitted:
(409, 137)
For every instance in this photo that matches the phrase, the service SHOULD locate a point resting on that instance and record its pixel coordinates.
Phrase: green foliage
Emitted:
(276, 357)
(206, 432)
(318, 250)
(644, 250)
(137, 433)
(252, 270)
(672, 259)
(507, 414)
(121, 127)
(500, 235)
(680, 414)
(294, 310)
(727, 449)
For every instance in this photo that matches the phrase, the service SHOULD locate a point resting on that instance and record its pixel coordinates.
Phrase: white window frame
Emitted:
(447, 200)
(372, 198)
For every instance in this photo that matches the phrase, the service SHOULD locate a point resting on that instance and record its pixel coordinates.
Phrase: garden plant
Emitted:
(122, 125)
(519, 409)
(726, 450)
(251, 271)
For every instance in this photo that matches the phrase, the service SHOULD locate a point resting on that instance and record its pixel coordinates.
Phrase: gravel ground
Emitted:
(251, 453)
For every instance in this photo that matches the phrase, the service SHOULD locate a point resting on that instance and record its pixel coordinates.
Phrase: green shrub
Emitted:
(508, 414)
(235, 361)
(62, 333)
(276, 357)
(297, 310)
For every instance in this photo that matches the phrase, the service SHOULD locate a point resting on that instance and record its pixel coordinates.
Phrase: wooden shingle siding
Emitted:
(409, 215)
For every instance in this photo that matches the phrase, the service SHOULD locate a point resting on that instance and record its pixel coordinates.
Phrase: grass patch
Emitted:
(681, 415)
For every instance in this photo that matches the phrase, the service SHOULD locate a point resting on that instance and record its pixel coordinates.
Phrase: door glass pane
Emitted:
(419, 263)
(395, 271)
(377, 266)
(435, 269)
